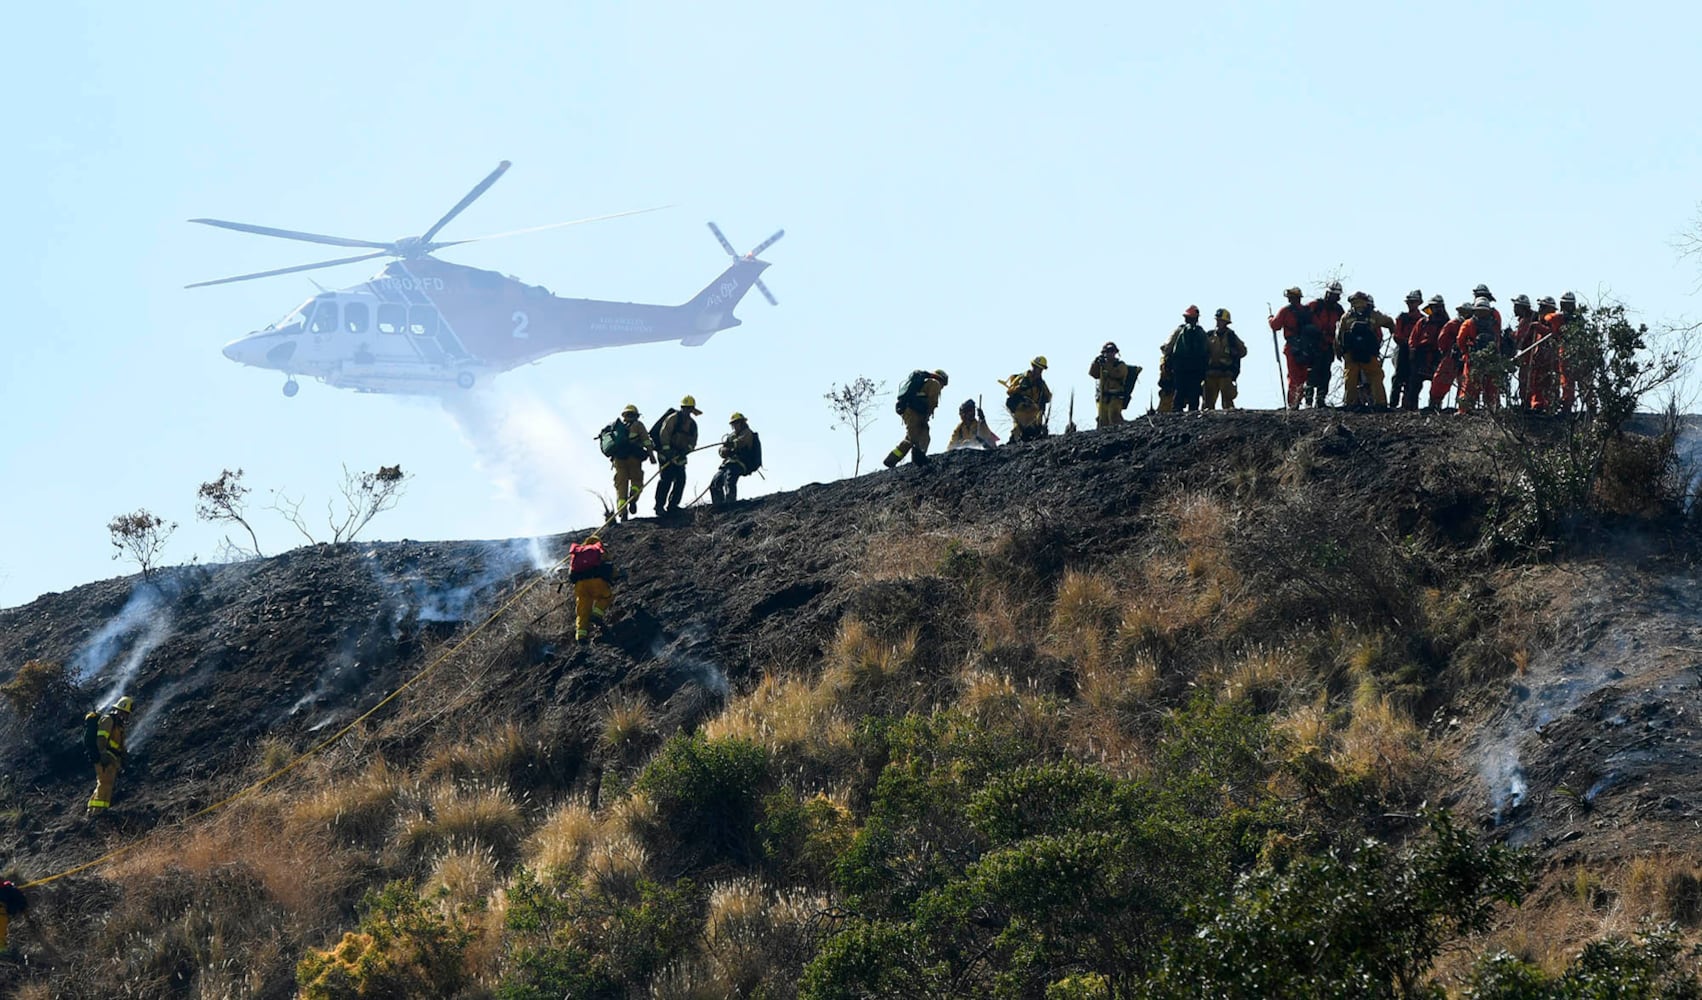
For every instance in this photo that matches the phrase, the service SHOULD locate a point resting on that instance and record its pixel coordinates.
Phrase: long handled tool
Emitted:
(1282, 386)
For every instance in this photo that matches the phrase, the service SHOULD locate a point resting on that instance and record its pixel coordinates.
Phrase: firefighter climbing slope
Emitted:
(592, 575)
(1114, 384)
(103, 740)
(916, 404)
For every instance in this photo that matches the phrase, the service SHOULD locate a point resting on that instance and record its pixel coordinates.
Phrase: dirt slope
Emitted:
(1601, 730)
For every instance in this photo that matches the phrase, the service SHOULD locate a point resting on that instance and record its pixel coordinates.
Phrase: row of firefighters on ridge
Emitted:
(1430, 346)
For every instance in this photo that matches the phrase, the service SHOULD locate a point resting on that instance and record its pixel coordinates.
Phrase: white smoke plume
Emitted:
(141, 625)
(537, 456)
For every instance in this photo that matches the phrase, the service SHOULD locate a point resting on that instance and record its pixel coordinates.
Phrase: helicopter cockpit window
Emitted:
(355, 317)
(324, 319)
(422, 321)
(392, 318)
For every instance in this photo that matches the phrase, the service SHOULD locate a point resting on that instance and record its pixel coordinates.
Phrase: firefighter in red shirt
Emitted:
(1327, 313)
(1404, 324)
(1301, 343)
(1424, 354)
(1545, 358)
(1479, 341)
(1447, 357)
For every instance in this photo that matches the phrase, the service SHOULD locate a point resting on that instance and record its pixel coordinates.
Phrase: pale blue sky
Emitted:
(963, 185)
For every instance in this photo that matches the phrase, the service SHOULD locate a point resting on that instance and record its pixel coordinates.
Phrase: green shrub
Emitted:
(708, 796)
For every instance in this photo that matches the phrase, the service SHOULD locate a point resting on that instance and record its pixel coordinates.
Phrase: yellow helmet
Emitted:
(940, 373)
(1223, 314)
(689, 405)
(123, 704)
(630, 409)
(737, 417)
(1039, 361)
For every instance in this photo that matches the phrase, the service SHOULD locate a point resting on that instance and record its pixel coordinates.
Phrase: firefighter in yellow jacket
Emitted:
(1115, 383)
(632, 448)
(916, 404)
(676, 439)
(972, 430)
(109, 744)
(1224, 351)
(1026, 397)
(1359, 343)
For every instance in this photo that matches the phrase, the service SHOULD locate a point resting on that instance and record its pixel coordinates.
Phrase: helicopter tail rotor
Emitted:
(752, 255)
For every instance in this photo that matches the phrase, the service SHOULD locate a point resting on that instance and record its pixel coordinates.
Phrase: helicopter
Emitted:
(426, 326)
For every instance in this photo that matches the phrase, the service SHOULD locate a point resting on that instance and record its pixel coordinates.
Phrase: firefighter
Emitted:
(1545, 360)
(972, 430)
(1188, 355)
(1026, 397)
(632, 447)
(1423, 351)
(1405, 323)
(1479, 341)
(1327, 314)
(741, 455)
(1302, 343)
(1115, 384)
(109, 744)
(1448, 357)
(1224, 351)
(592, 575)
(1526, 324)
(1359, 343)
(916, 404)
(675, 440)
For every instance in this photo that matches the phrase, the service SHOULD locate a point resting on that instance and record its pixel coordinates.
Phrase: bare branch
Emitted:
(226, 499)
(365, 496)
(290, 510)
(853, 406)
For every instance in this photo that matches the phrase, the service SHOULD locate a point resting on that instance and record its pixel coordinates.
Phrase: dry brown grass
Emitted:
(1381, 744)
(359, 809)
(1271, 678)
(452, 817)
(562, 841)
(751, 936)
(465, 875)
(629, 727)
(790, 717)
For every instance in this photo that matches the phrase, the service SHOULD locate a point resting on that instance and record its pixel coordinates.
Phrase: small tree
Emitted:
(226, 499)
(853, 405)
(141, 536)
(365, 496)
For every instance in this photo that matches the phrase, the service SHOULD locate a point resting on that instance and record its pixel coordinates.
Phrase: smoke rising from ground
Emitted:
(141, 625)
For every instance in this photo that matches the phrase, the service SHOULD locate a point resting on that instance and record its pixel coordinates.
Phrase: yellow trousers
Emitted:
(106, 775)
(591, 600)
(1373, 372)
(1110, 412)
(1219, 385)
(629, 483)
(915, 437)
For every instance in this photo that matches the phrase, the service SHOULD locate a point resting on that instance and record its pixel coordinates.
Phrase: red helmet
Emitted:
(1192, 312)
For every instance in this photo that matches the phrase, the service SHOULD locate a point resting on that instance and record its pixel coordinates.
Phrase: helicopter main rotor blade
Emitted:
(553, 225)
(290, 270)
(765, 244)
(471, 197)
(766, 293)
(291, 234)
(724, 244)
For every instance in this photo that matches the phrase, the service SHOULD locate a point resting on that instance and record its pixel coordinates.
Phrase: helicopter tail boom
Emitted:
(711, 310)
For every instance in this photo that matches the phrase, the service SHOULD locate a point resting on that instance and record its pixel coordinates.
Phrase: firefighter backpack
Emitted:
(609, 439)
(911, 392)
(91, 737)
(754, 462)
(584, 557)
